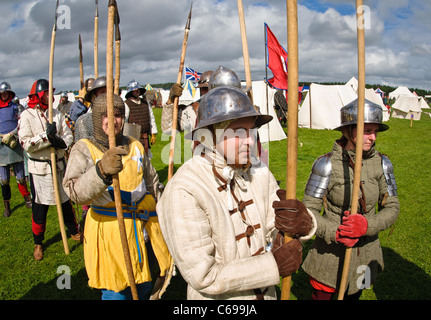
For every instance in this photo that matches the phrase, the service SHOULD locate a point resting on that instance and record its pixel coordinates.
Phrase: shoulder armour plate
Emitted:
(388, 171)
(319, 178)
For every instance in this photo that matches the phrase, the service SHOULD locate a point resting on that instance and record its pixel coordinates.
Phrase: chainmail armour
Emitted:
(99, 111)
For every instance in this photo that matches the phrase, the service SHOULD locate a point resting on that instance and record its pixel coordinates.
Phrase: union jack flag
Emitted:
(192, 75)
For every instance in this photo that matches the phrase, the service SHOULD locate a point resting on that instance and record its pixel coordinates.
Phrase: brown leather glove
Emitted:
(291, 216)
(288, 256)
(176, 91)
(110, 163)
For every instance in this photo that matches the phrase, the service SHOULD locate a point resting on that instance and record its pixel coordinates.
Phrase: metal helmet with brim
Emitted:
(226, 103)
(373, 113)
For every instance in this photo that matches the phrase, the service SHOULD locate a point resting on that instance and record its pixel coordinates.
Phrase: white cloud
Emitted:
(152, 32)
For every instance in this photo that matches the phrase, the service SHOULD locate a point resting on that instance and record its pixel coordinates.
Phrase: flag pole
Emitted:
(292, 121)
(359, 137)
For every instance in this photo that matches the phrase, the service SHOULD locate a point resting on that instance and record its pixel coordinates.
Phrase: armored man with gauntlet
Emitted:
(330, 187)
(223, 208)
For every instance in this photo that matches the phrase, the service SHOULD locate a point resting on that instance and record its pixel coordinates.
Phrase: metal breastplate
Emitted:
(320, 176)
(388, 171)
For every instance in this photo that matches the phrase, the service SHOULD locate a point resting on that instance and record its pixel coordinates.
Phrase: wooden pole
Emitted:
(245, 49)
(359, 137)
(117, 52)
(81, 65)
(110, 114)
(175, 111)
(292, 121)
(52, 149)
(96, 42)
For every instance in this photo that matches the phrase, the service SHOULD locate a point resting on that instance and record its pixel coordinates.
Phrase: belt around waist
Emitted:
(129, 212)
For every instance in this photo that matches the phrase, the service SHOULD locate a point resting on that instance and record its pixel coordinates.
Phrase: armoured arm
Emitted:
(315, 192)
(389, 206)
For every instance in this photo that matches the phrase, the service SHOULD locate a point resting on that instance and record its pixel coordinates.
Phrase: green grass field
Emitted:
(407, 251)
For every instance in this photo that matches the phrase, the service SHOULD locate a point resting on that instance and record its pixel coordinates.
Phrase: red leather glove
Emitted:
(288, 256)
(353, 226)
(348, 242)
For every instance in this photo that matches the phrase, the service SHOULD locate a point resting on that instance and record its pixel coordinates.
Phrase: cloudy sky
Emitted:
(397, 35)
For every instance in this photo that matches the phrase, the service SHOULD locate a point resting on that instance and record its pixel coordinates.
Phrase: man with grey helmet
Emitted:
(223, 210)
(11, 152)
(330, 187)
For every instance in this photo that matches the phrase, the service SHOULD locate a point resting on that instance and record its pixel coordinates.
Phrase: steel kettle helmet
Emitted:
(226, 103)
(373, 113)
(5, 86)
(223, 76)
(134, 85)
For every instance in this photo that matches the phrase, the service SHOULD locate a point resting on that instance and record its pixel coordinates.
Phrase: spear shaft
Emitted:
(81, 66)
(176, 99)
(359, 138)
(96, 41)
(110, 113)
(52, 149)
(245, 52)
(292, 121)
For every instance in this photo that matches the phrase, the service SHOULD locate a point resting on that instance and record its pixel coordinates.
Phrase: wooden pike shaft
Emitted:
(359, 138)
(292, 125)
(117, 52)
(52, 149)
(81, 66)
(96, 42)
(175, 110)
(245, 52)
(112, 144)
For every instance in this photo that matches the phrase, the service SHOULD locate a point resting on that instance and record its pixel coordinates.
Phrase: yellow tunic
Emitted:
(103, 253)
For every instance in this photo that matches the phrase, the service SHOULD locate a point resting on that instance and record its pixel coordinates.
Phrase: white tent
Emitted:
(321, 106)
(400, 91)
(271, 131)
(406, 107)
(372, 95)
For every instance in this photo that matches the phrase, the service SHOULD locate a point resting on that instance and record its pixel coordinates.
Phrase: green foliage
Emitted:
(407, 251)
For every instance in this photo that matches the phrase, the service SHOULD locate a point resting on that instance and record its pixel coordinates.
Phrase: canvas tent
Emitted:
(408, 107)
(400, 91)
(271, 131)
(321, 106)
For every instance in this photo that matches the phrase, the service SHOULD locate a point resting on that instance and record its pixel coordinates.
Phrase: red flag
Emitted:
(277, 60)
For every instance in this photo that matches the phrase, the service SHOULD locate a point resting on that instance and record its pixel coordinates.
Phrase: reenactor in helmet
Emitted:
(222, 210)
(37, 136)
(186, 114)
(329, 187)
(84, 124)
(11, 153)
(89, 181)
(65, 104)
(140, 113)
